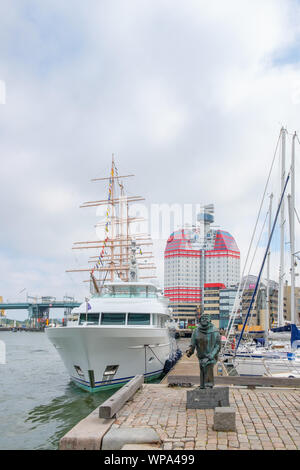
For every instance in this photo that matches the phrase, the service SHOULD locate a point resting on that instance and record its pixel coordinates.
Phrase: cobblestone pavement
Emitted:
(265, 418)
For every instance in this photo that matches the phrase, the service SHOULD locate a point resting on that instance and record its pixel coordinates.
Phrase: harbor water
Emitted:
(38, 402)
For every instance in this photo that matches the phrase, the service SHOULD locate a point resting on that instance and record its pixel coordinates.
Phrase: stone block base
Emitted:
(224, 419)
(207, 398)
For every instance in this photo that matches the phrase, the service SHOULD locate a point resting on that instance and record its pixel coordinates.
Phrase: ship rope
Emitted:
(147, 345)
(240, 291)
(254, 256)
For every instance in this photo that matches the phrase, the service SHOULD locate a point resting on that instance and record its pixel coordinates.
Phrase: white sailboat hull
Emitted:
(89, 351)
(257, 366)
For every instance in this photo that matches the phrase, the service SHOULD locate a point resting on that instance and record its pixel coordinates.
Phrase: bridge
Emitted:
(38, 308)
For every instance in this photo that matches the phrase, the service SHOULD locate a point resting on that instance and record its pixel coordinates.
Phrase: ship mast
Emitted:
(117, 246)
(112, 217)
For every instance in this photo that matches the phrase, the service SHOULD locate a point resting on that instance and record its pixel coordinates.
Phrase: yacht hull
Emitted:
(100, 358)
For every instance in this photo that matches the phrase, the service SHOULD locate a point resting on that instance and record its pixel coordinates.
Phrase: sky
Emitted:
(189, 96)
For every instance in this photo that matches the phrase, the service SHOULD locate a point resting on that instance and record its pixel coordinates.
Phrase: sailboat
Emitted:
(125, 327)
(253, 360)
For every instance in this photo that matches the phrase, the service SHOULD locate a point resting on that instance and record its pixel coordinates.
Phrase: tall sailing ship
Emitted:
(125, 328)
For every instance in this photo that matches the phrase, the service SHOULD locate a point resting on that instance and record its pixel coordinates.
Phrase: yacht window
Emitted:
(113, 318)
(137, 291)
(138, 318)
(90, 318)
(151, 290)
(154, 319)
(120, 291)
(129, 291)
(79, 371)
(109, 373)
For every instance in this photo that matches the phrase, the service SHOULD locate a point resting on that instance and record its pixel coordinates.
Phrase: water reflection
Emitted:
(38, 402)
(64, 412)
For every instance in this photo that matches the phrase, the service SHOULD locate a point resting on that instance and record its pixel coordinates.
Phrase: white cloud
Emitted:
(187, 95)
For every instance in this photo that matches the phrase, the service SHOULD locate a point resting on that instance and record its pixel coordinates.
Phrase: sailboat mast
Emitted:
(291, 198)
(267, 317)
(263, 264)
(280, 320)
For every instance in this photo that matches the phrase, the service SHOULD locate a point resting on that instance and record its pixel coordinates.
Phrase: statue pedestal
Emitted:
(207, 398)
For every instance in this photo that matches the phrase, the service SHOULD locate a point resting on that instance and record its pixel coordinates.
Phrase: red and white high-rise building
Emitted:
(194, 259)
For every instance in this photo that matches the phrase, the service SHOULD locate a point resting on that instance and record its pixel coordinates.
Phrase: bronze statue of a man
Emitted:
(207, 341)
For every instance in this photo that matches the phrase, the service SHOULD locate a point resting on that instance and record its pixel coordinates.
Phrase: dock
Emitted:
(186, 366)
(267, 415)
